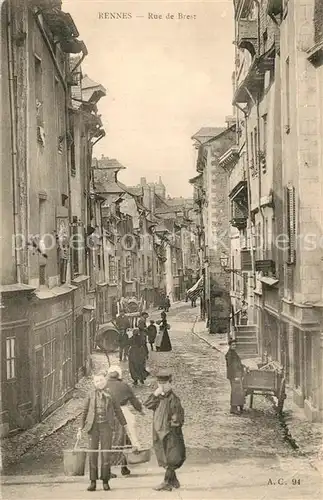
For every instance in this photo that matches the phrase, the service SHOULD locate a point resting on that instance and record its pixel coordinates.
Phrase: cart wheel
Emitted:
(251, 400)
(281, 396)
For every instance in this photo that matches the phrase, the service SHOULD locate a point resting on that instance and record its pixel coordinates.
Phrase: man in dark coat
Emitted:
(100, 410)
(167, 304)
(235, 371)
(168, 437)
(123, 324)
(142, 326)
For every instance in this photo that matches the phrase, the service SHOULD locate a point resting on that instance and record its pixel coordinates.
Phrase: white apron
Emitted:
(131, 424)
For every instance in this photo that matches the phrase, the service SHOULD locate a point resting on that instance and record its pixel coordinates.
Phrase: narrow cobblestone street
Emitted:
(224, 451)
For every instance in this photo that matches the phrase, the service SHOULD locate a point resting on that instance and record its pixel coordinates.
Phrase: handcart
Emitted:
(269, 380)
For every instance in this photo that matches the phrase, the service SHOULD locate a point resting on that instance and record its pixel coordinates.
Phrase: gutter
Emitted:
(14, 152)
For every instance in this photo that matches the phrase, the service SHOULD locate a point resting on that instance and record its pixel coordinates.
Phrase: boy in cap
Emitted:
(168, 437)
(100, 410)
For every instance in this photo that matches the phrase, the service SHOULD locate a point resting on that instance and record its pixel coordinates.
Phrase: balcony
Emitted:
(239, 206)
(266, 266)
(247, 35)
(253, 82)
(229, 159)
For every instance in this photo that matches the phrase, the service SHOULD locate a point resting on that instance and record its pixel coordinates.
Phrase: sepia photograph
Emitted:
(161, 253)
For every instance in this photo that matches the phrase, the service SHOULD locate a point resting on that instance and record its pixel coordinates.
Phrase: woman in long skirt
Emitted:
(137, 358)
(162, 342)
(124, 396)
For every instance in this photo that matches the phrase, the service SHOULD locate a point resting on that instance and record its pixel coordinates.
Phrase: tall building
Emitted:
(47, 319)
(211, 201)
(275, 188)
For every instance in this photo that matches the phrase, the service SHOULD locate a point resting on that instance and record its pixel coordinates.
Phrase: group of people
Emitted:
(135, 348)
(109, 423)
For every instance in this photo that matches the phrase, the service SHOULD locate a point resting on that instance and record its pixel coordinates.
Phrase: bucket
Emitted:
(74, 462)
(138, 457)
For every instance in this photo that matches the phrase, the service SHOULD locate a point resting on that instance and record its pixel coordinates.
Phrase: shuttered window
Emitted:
(11, 357)
(291, 224)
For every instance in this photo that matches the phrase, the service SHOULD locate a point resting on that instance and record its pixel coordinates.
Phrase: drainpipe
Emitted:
(15, 188)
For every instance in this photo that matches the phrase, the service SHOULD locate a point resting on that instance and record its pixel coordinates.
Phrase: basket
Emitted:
(74, 462)
(138, 457)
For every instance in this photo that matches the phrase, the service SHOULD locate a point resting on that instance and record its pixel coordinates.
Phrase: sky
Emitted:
(165, 79)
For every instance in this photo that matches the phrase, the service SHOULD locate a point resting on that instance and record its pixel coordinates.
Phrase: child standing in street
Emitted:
(168, 437)
(100, 410)
(152, 333)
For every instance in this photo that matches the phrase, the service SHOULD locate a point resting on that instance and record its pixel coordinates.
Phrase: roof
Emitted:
(206, 133)
(91, 90)
(131, 190)
(108, 188)
(106, 163)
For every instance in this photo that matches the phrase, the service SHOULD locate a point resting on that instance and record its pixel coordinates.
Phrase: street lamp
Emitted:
(224, 263)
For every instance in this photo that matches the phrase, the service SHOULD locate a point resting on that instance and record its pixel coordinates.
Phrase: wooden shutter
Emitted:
(291, 224)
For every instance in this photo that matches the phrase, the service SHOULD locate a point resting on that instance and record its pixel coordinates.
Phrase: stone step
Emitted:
(245, 339)
(246, 333)
(248, 328)
(247, 348)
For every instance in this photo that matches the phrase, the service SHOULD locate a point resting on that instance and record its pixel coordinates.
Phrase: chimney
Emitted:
(143, 181)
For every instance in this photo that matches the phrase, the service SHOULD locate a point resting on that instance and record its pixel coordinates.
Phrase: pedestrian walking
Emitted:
(168, 440)
(167, 303)
(123, 324)
(137, 358)
(235, 371)
(99, 413)
(124, 396)
(142, 326)
(162, 342)
(151, 333)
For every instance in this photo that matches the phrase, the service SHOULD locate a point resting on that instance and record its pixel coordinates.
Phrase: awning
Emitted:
(269, 281)
(196, 289)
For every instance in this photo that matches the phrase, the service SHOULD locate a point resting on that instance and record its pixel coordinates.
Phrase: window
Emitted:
(67, 362)
(255, 134)
(266, 236)
(291, 223)
(128, 268)
(149, 266)
(112, 269)
(49, 373)
(245, 286)
(287, 92)
(42, 232)
(11, 357)
(39, 92)
(233, 274)
(72, 147)
(252, 150)
(99, 262)
(264, 133)
(75, 244)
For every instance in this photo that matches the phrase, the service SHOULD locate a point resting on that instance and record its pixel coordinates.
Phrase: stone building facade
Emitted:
(275, 186)
(46, 319)
(211, 200)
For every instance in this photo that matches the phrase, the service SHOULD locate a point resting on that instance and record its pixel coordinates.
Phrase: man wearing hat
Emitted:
(235, 372)
(168, 437)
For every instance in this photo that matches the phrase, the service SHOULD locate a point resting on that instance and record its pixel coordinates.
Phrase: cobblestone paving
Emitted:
(199, 379)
